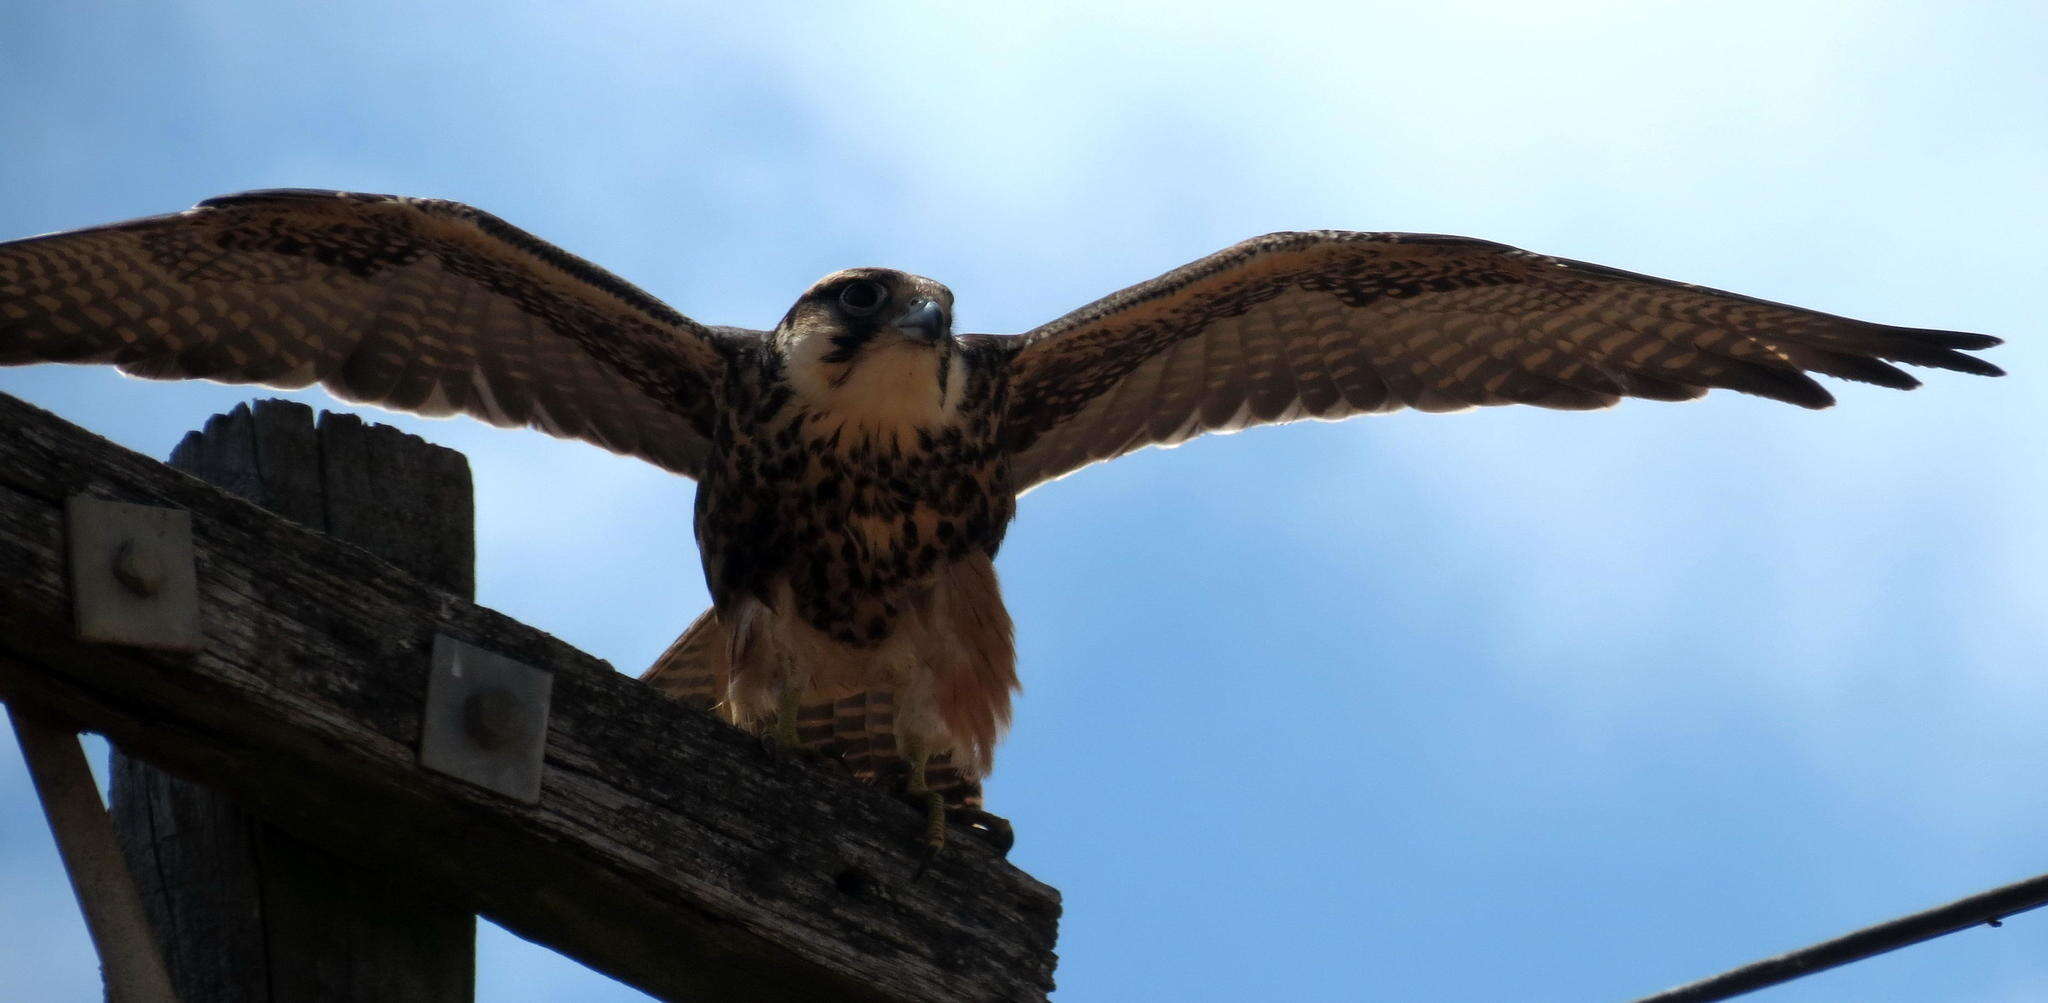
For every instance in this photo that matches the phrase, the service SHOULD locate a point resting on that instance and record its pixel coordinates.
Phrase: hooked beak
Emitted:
(923, 320)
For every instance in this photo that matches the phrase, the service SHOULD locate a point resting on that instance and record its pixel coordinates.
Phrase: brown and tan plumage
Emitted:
(1332, 324)
(416, 305)
(858, 463)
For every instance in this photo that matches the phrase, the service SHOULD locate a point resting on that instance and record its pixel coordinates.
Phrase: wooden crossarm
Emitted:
(668, 850)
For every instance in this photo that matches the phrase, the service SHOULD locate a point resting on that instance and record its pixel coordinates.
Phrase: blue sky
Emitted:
(1503, 705)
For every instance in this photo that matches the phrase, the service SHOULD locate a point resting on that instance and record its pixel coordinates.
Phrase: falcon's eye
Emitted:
(863, 297)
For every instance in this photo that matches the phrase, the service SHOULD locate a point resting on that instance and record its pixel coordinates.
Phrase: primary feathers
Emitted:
(858, 463)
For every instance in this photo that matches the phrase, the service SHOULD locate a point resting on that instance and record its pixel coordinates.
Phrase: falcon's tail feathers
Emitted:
(695, 667)
(857, 727)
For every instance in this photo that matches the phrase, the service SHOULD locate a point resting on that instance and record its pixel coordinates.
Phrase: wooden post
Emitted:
(244, 910)
(668, 849)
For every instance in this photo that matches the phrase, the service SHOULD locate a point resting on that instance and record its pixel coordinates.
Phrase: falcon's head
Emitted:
(875, 345)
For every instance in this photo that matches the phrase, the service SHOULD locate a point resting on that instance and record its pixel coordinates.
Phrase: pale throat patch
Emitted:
(886, 389)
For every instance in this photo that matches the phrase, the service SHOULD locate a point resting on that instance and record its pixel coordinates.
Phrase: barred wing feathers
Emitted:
(416, 305)
(1331, 324)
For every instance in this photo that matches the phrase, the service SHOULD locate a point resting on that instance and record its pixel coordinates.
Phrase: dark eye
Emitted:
(863, 297)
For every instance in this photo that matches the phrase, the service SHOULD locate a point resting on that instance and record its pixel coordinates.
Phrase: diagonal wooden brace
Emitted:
(106, 892)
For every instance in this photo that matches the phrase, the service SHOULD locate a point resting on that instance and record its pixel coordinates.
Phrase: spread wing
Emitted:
(412, 304)
(1331, 324)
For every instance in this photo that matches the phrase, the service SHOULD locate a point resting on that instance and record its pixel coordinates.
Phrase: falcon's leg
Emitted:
(782, 741)
(784, 732)
(932, 801)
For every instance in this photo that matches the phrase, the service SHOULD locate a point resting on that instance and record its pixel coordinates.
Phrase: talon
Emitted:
(781, 737)
(994, 830)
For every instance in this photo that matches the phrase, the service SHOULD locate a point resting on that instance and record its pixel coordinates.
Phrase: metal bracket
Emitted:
(134, 577)
(486, 719)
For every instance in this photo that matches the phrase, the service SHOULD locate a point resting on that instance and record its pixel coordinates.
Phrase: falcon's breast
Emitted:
(849, 491)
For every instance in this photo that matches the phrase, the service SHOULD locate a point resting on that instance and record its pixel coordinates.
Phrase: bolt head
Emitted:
(491, 717)
(138, 568)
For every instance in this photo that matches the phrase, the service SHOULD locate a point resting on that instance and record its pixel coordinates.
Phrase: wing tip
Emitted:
(1940, 349)
(1975, 366)
(1965, 340)
(260, 196)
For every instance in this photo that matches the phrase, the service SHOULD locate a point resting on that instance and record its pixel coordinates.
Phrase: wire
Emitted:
(1987, 908)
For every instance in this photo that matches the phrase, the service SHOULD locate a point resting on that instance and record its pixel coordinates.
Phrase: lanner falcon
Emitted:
(857, 464)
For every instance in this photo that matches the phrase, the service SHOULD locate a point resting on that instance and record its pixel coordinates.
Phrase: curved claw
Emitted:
(994, 830)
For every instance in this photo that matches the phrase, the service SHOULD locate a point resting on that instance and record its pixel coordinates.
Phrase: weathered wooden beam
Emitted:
(246, 912)
(667, 850)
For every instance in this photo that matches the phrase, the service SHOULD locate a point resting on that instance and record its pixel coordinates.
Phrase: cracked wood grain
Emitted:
(669, 850)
